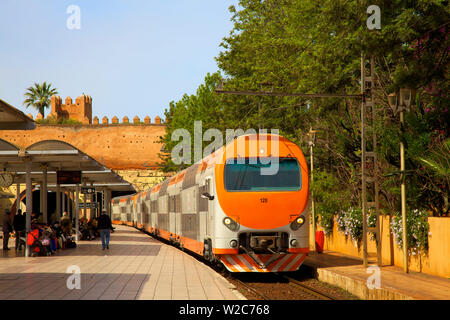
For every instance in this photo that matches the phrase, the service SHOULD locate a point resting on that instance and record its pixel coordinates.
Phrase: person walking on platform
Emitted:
(105, 227)
(7, 228)
(19, 228)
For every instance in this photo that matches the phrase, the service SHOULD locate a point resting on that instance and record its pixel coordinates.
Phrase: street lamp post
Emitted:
(404, 102)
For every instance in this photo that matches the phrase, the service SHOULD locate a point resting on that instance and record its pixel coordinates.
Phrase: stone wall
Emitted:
(131, 150)
(117, 146)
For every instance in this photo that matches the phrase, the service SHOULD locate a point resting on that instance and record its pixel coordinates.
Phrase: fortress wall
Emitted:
(119, 147)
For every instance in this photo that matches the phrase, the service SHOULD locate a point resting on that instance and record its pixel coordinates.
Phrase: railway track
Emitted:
(320, 295)
(256, 292)
(307, 292)
(278, 283)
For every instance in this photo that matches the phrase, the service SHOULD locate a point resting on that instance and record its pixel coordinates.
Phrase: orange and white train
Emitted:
(226, 209)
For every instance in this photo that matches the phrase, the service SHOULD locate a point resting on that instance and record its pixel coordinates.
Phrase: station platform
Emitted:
(136, 267)
(350, 274)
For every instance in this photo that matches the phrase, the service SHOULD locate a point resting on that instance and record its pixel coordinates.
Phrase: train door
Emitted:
(206, 218)
(154, 213)
(206, 206)
(203, 211)
(178, 213)
(172, 215)
(146, 211)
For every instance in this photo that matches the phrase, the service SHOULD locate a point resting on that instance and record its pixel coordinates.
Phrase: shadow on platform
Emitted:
(66, 286)
(330, 259)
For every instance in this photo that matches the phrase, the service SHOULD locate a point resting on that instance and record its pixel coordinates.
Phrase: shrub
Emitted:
(330, 197)
(418, 228)
(60, 121)
(350, 223)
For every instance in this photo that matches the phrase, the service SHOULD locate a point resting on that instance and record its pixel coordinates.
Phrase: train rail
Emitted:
(307, 292)
(277, 286)
(310, 290)
(256, 292)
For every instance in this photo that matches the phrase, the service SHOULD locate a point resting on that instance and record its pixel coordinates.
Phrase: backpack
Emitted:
(33, 235)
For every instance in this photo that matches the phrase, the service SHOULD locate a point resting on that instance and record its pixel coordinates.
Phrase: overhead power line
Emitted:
(287, 94)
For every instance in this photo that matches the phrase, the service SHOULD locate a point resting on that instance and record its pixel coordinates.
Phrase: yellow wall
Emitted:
(436, 262)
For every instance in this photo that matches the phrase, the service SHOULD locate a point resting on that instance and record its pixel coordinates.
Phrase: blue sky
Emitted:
(132, 56)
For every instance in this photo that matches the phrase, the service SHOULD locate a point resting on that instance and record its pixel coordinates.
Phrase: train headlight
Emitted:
(233, 243)
(300, 220)
(294, 243)
(231, 224)
(297, 223)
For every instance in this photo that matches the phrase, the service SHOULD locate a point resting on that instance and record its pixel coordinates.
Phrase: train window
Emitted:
(247, 176)
(207, 185)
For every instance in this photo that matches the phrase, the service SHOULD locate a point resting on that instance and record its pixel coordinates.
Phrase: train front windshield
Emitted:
(251, 175)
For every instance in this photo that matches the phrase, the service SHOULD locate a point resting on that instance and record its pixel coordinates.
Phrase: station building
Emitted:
(129, 149)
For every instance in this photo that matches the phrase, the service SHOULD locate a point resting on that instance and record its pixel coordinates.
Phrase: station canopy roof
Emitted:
(58, 156)
(14, 119)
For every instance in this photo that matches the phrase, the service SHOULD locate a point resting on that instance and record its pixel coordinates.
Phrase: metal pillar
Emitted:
(92, 210)
(58, 202)
(29, 202)
(313, 215)
(45, 195)
(103, 201)
(403, 198)
(17, 198)
(69, 203)
(77, 211)
(63, 196)
(108, 202)
(95, 200)
(41, 196)
(84, 201)
(369, 169)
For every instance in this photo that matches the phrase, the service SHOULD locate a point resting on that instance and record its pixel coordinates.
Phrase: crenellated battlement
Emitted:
(126, 120)
(81, 111)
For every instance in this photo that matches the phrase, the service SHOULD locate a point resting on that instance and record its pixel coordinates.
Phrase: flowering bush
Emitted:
(418, 227)
(326, 222)
(350, 223)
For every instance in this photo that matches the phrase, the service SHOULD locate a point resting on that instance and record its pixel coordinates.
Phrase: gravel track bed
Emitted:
(275, 287)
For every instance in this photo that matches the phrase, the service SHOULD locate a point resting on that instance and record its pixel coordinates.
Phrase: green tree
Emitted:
(204, 106)
(312, 46)
(315, 46)
(38, 96)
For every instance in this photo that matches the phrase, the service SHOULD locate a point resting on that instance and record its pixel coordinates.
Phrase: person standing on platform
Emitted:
(7, 228)
(66, 224)
(105, 227)
(19, 228)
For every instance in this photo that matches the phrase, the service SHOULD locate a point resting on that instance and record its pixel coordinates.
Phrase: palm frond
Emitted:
(38, 96)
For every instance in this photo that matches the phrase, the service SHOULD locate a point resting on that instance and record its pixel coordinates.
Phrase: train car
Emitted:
(226, 209)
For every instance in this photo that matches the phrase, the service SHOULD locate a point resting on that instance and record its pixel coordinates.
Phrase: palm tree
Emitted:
(39, 96)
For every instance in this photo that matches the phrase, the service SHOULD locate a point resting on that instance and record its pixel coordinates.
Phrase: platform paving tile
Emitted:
(135, 267)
